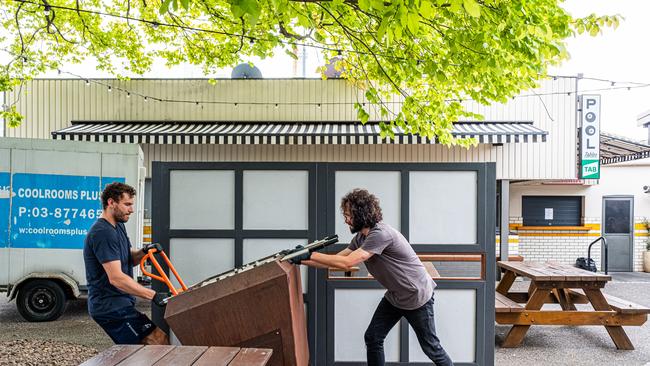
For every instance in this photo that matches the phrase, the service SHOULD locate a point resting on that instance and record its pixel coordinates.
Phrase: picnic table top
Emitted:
(550, 271)
(180, 355)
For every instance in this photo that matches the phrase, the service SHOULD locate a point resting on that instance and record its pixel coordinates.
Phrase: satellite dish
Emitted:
(246, 71)
(330, 68)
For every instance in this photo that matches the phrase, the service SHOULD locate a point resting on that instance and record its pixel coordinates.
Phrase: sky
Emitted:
(617, 55)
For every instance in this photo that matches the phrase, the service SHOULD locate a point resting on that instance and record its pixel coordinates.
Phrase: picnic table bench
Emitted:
(554, 283)
(140, 355)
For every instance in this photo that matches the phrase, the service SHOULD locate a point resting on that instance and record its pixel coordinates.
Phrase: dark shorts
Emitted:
(126, 325)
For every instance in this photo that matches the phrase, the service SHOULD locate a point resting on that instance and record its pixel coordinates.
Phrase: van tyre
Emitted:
(41, 301)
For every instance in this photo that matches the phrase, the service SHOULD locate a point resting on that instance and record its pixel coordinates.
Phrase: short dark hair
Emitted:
(115, 191)
(363, 206)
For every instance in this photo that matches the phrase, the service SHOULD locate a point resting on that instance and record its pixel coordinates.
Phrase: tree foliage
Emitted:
(432, 53)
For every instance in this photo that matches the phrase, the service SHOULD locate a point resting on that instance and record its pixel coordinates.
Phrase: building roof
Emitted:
(615, 149)
(283, 133)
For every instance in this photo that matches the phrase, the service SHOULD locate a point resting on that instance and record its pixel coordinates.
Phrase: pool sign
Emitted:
(590, 137)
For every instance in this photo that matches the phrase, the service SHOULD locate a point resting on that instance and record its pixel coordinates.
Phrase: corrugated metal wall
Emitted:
(51, 104)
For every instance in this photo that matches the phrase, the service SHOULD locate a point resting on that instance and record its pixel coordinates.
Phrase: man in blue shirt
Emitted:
(109, 261)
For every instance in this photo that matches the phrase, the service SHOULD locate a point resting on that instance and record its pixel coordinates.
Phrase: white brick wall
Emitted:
(565, 246)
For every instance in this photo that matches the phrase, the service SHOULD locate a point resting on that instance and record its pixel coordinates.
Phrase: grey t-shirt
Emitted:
(396, 266)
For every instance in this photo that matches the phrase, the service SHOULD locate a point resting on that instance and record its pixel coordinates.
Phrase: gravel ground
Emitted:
(55, 343)
(41, 353)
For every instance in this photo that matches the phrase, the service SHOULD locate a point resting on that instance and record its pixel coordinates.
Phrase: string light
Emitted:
(47, 10)
(628, 85)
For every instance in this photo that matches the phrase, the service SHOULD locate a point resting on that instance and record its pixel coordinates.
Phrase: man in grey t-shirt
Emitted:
(393, 263)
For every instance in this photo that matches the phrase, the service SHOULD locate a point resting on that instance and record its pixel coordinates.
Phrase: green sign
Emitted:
(590, 169)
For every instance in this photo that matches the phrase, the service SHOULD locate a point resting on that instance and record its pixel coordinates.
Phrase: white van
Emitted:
(49, 198)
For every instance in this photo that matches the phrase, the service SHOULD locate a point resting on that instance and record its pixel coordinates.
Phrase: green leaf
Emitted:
(456, 5)
(413, 22)
(472, 8)
(381, 31)
(291, 54)
(427, 9)
(164, 6)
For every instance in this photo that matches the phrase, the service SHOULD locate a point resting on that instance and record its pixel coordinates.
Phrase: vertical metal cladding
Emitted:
(52, 104)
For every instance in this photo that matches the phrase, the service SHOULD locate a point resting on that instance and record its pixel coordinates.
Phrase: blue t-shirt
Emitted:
(106, 243)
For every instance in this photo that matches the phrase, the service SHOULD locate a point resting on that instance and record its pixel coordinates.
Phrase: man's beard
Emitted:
(355, 228)
(123, 218)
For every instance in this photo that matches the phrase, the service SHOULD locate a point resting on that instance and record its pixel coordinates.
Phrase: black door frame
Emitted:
(162, 233)
(486, 206)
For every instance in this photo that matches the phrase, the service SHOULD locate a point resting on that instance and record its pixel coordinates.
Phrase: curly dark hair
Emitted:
(115, 191)
(363, 207)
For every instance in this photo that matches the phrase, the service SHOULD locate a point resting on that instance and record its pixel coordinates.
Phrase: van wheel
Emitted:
(41, 301)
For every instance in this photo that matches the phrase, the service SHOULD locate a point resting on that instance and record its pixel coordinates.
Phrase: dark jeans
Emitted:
(422, 321)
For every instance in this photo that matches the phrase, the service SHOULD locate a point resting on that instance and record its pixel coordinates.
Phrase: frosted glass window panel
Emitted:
(384, 185)
(353, 310)
(255, 249)
(202, 199)
(276, 200)
(198, 259)
(443, 207)
(455, 314)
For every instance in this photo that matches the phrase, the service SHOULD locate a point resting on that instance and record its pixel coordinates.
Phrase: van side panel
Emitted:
(54, 199)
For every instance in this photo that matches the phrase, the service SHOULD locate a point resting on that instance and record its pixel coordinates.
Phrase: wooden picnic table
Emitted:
(180, 355)
(566, 285)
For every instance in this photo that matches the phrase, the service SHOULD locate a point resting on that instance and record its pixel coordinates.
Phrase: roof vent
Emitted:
(246, 71)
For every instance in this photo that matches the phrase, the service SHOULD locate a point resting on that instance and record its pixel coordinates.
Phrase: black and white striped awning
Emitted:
(283, 133)
(617, 149)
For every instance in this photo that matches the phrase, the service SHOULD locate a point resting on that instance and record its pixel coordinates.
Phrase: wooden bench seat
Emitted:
(626, 307)
(618, 304)
(503, 304)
